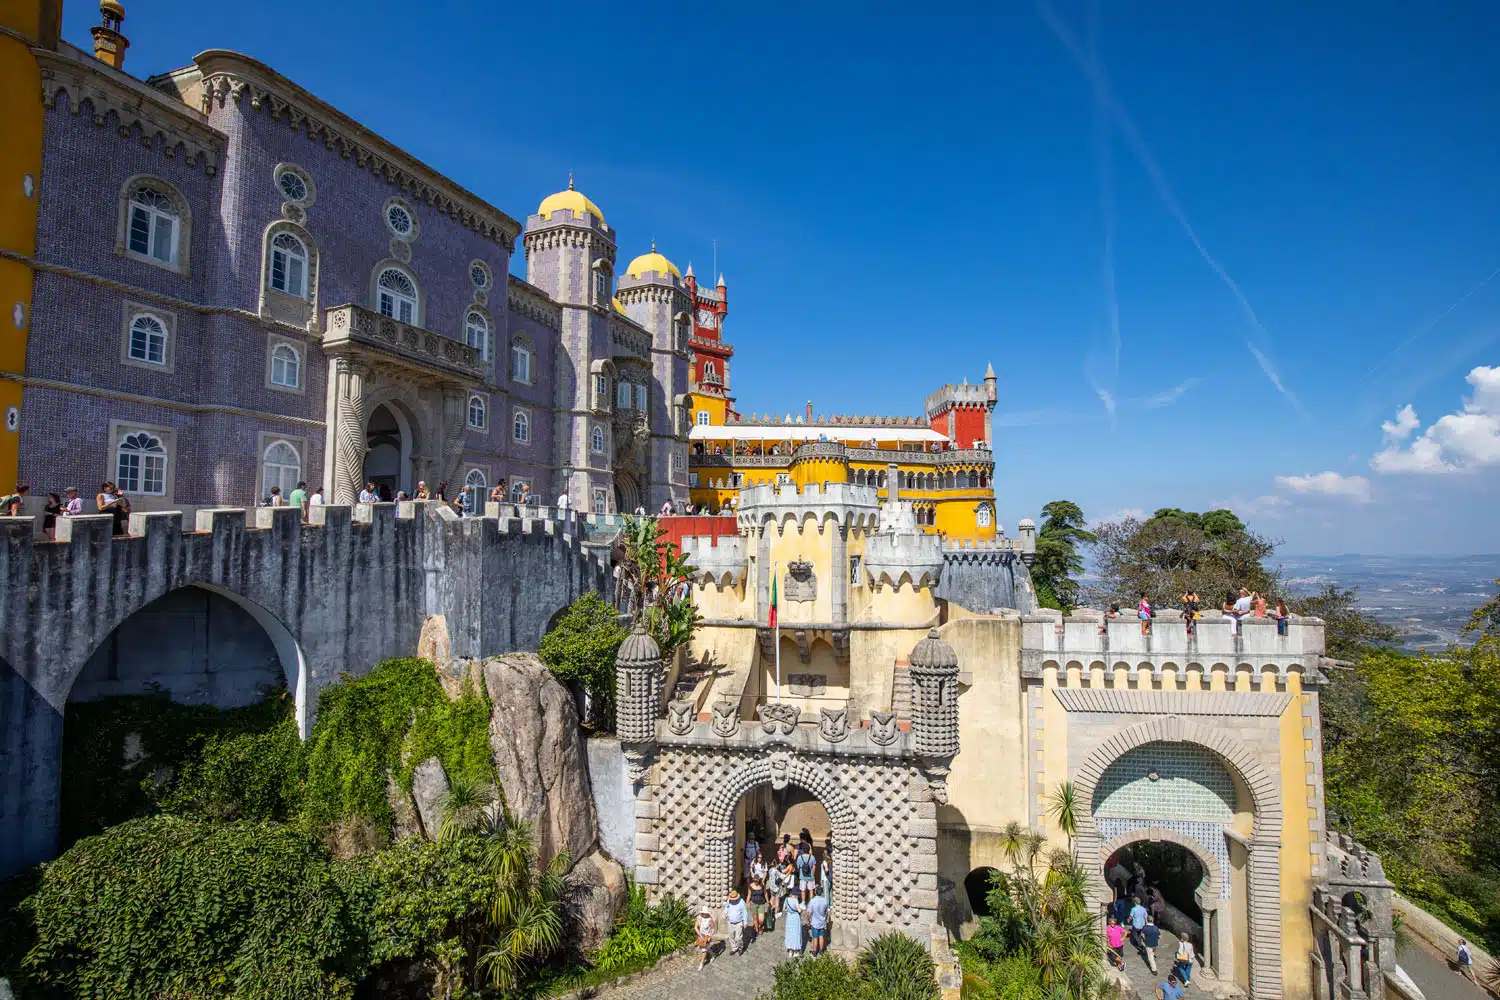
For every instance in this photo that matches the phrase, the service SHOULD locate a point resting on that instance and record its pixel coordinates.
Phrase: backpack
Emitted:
(1184, 951)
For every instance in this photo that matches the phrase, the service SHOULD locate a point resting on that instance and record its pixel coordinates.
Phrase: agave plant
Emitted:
(898, 968)
(525, 911)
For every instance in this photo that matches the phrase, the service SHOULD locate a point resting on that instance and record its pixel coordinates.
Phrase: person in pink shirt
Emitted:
(1260, 605)
(74, 506)
(1115, 935)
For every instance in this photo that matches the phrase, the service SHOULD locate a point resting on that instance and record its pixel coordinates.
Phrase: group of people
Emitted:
(109, 500)
(795, 885)
(1248, 604)
(1137, 919)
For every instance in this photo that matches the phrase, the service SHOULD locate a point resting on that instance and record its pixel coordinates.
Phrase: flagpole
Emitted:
(776, 638)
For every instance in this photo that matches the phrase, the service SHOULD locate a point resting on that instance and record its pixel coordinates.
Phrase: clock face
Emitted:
(707, 318)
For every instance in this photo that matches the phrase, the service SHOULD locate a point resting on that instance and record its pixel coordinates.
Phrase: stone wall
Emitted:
(335, 596)
(614, 799)
(984, 576)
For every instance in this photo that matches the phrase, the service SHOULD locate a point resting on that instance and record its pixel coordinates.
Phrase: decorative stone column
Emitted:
(638, 684)
(348, 441)
(934, 710)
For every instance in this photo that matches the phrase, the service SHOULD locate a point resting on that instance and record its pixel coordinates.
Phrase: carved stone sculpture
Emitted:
(680, 717)
(833, 724)
(800, 583)
(778, 718)
(726, 718)
(883, 728)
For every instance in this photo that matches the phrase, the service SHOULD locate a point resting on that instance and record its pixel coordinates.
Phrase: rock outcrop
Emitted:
(596, 892)
(539, 755)
(428, 786)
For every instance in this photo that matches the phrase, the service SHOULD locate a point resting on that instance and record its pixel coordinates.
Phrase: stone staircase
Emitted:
(687, 682)
(901, 690)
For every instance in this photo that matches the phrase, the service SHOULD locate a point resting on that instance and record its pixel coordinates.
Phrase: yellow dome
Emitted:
(652, 261)
(618, 308)
(571, 200)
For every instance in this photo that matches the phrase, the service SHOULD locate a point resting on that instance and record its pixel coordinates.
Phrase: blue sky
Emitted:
(1210, 248)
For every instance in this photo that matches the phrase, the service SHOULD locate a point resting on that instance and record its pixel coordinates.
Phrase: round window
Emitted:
(292, 186)
(399, 219)
(480, 275)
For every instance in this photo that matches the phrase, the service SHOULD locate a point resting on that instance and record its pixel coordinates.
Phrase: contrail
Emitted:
(1426, 328)
(1105, 95)
(1104, 164)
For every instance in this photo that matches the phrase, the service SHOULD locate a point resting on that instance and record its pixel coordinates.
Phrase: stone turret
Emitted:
(934, 710)
(638, 684)
(1027, 531)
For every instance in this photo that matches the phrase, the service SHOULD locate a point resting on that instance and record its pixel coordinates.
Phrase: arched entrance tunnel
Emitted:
(1170, 868)
(767, 815)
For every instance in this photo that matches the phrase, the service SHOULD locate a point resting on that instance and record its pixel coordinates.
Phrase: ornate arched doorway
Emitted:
(390, 442)
(627, 493)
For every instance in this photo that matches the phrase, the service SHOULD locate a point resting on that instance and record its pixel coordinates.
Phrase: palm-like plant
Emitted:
(462, 807)
(898, 968)
(525, 912)
(1062, 806)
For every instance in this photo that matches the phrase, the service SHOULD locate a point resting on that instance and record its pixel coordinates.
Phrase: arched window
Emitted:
(477, 333)
(396, 295)
(141, 464)
(148, 340)
(622, 396)
(289, 264)
(153, 225)
(640, 398)
(477, 412)
(520, 361)
(982, 515)
(596, 440)
(984, 480)
(710, 372)
(286, 366)
(521, 427)
(881, 475)
(280, 466)
(518, 489)
(973, 480)
(475, 479)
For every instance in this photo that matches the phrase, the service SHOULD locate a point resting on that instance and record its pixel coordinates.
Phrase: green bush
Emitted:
(581, 649)
(456, 733)
(1010, 978)
(823, 977)
(896, 967)
(644, 933)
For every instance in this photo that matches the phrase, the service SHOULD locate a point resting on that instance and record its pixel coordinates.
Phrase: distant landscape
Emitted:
(1429, 598)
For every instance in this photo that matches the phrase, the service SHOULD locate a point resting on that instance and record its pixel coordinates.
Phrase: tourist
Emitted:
(1120, 908)
(1155, 903)
(10, 506)
(804, 841)
(422, 491)
(738, 918)
(1466, 961)
(461, 503)
(400, 496)
(704, 925)
(1259, 601)
(791, 935)
(773, 893)
(105, 497)
(817, 921)
(825, 868)
(758, 899)
(1182, 962)
(807, 873)
(784, 852)
(275, 499)
(1168, 990)
(1190, 610)
(1138, 915)
(316, 500)
(1227, 609)
(385, 493)
(1144, 613)
(752, 851)
(497, 495)
(50, 513)
(298, 499)
(442, 492)
(666, 508)
(1241, 608)
(368, 494)
(74, 506)
(1150, 938)
(1114, 934)
(562, 505)
(1283, 618)
(1113, 612)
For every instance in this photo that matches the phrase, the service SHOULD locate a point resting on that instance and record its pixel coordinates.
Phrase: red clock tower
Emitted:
(711, 353)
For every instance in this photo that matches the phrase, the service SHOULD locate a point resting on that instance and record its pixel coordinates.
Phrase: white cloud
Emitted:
(1356, 488)
(1170, 396)
(1459, 442)
(1402, 427)
(1268, 507)
(1124, 514)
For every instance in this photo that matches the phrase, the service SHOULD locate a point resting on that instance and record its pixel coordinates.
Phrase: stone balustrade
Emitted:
(351, 325)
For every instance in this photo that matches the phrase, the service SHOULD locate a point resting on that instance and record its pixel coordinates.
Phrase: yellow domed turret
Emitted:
(570, 199)
(652, 261)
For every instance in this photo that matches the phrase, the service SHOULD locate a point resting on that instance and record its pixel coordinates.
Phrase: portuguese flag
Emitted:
(772, 622)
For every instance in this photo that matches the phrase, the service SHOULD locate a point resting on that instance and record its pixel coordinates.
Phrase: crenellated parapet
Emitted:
(716, 559)
(893, 558)
(850, 508)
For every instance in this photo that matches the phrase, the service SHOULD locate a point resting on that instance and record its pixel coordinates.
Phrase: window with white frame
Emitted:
(710, 372)
(983, 518)
(477, 412)
(280, 466)
(693, 480)
(596, 440)
(479, 274)
(141, 464)
(640, 398)
(622, 396)
(518, 489)
(477, 333)
(396, 295)
(520, 362)
(601, 286)
(703, 418)
(292, 185)
(148, 340)
(476, 479)
(398, 217)
(783, 479)
(520, 427)
(737, 480)
(286, 366)
(601, 392)
(154, 225)
(289, 263)
(601, 502)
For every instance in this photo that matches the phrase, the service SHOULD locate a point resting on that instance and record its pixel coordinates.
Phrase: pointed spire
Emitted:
(653, 244)
(570, 180)
(721, 280)
(989, 371)
(689, 273)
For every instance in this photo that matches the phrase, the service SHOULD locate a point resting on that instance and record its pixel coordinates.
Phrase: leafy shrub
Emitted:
(581, 649)
(419, 893)
(456, 733)
(898, 968)
(1012, 978)
(824, 977)
(644, 933)
(246, 771)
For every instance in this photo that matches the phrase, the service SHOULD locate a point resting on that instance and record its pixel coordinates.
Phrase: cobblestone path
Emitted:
(728, 977)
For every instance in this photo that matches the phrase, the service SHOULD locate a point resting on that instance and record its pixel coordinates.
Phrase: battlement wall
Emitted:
(984, 575)
(337, 595)
(854, 507)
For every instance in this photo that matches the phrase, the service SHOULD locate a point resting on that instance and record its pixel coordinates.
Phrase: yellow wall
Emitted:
(22, 112)
(1296, 842)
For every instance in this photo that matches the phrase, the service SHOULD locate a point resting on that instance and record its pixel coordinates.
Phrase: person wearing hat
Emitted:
(738, 917)
(74, 506)
(704, 925)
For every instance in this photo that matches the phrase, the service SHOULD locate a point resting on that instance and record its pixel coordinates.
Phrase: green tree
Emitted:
(525, 906)
(1058, 562)
(581, 650)
(1062, 806)
(1173, 551)
(654, 574)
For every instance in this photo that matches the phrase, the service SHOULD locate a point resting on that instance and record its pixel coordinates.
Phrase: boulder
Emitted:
(429, 783)
(404, 820)
(595, 895)
(539, 754)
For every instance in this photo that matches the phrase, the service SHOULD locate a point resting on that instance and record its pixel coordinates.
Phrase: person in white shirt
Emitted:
(368, 494)
(74, 507)
(562, 503)
(316, 500)
(704, 925)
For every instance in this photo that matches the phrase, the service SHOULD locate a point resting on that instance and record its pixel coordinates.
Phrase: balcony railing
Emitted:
(350, 324)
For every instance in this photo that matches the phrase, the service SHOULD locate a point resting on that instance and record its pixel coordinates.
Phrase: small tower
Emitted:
(934, 710)
(109, 43)
(653, 294)
(638, 684)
